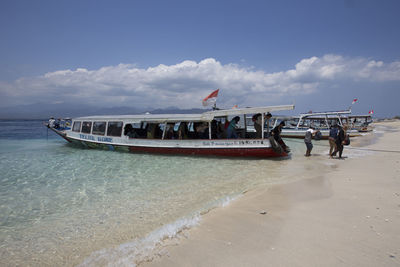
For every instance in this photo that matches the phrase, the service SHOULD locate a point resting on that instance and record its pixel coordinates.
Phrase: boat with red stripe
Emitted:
(202, 134)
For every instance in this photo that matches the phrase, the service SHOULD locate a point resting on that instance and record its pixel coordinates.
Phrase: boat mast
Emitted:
(262, 125)
(340, 121)
(326, 121)
(163, 133)
(209, 130)
(298, 124)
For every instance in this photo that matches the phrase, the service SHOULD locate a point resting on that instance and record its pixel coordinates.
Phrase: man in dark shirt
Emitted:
(333, 132)
(276, 132)
(339, 142)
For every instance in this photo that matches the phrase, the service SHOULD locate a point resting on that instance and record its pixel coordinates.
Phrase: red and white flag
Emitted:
(371, 111)
(354, 101)
(211, 98)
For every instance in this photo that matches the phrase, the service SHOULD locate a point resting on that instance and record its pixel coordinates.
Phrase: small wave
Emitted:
(132, 253)
(223, 202)
(137, 251)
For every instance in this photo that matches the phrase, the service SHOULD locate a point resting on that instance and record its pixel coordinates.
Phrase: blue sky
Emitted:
(318, 54)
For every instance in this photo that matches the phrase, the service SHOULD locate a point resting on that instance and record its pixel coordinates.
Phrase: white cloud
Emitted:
(186, 83)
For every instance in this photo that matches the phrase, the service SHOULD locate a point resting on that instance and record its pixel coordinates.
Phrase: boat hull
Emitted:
(256, 148)
(221, 152)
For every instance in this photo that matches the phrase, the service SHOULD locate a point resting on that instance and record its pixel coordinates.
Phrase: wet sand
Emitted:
(344, 214)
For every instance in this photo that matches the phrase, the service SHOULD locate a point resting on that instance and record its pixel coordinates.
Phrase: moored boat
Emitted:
(360, 123)
(297, 126)
(177, 134)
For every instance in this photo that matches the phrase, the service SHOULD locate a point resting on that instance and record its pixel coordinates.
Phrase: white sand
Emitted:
(348, 215)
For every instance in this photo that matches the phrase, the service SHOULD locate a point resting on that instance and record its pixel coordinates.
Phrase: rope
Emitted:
(354, 148)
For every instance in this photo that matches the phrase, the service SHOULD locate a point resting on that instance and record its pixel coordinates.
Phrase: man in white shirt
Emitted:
(307, 140)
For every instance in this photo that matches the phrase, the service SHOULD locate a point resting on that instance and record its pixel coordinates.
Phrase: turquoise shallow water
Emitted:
(62, 205)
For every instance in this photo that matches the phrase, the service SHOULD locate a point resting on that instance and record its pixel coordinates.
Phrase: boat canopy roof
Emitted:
(206, 116)
(360, 116)
(326, 113)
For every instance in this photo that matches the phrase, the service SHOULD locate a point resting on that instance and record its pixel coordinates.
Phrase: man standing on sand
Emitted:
(340, 142)
(333, 132)
(307, 140)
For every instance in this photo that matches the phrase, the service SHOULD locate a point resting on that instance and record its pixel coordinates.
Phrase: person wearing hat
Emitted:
(307, 139)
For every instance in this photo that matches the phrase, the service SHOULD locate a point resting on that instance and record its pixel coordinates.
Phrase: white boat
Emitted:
(159, 133)
(297, 126)
(360, 123)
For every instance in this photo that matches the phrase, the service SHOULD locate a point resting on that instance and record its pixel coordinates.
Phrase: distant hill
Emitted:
(46, 110)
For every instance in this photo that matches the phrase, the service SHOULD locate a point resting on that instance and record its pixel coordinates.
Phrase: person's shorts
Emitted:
(309, 146)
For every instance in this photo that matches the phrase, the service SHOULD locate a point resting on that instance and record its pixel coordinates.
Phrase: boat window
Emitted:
(86, 127)
(114, 128)
(99, 127)
(77, 126)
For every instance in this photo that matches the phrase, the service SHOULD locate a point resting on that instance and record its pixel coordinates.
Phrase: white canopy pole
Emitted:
(262, 125)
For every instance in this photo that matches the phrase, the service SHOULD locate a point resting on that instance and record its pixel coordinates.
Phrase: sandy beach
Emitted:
(346, 213)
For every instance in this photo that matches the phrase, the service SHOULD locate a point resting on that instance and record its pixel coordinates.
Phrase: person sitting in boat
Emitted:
(257, 124)
(276, 133)
(57, 124)
(214, 129)
(201, 130)
(182, 131)
(151, 130)
(169, 134)
(231, 131)
(52, 122)
(130, 132)
(221, 131)
(257, 119)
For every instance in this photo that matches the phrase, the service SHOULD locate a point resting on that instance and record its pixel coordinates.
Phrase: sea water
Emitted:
(63, 205)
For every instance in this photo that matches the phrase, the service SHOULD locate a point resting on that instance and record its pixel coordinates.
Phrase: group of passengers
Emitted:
(59, 124)
(199, 130)
(220, 129)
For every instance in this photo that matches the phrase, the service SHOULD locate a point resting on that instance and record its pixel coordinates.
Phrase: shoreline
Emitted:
(346, 215)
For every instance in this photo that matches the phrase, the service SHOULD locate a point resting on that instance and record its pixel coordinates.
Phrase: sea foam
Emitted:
(132, 253)
(145, 249)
